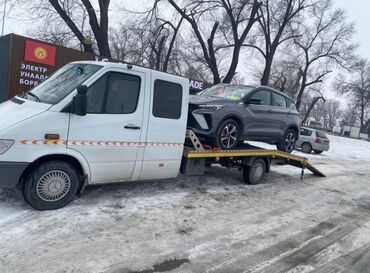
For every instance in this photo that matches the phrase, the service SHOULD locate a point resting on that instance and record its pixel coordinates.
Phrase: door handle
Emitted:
(132, 127)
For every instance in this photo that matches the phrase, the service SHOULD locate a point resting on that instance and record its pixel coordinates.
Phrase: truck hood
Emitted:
(17, 110)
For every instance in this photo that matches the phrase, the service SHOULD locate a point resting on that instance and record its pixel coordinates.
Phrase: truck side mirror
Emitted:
(80, 101)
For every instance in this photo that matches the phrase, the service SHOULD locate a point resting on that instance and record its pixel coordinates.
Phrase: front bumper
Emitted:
(10, 173)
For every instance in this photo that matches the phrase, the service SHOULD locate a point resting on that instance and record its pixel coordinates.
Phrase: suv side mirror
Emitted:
(80, 101)
(255, 101)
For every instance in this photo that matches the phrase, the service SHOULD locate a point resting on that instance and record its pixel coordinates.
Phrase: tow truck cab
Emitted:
(92, 123)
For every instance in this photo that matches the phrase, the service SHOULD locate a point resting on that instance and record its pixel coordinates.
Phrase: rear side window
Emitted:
(305, 132)
(321, 134)
(290, 104)
(278, 100)
(264, 95)
(167, 100)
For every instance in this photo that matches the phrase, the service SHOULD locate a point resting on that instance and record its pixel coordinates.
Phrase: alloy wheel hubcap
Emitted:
(53, 186)
(229, 136)
(290, 142)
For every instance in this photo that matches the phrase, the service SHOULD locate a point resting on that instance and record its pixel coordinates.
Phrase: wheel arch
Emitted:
(54, 157)
(249, 161)
(236, 118)
(294, 128)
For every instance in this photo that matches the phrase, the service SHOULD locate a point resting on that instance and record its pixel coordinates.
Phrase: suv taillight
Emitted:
(317, 140)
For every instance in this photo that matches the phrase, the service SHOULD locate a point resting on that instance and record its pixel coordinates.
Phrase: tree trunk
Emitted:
(362, 121)
(313, 103)
(62, 13)
(267, 71)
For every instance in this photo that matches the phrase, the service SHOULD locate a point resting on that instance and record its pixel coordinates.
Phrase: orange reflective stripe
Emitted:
(100, 143)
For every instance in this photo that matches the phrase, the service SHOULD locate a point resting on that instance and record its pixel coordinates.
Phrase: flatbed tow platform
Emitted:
(252, 160)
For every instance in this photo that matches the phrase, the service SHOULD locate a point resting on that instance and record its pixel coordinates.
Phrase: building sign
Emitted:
(40, 53)
(32, 75)
(196, 85)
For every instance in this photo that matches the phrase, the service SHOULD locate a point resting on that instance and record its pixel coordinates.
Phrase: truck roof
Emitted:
(127, 66)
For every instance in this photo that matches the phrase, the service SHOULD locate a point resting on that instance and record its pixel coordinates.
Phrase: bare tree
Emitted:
(325, 42)
(232, 21)
(329, 112)
(334, 113)
(148, 41)
(278, 23)
(286, 75)
(358, 88)
(314, 100)
(160, 35)
(70, 13)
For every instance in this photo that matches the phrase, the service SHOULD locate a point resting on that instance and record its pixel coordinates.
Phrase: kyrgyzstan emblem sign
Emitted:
(40, 53)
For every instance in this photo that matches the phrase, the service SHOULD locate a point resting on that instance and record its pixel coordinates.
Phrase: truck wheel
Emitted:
(318, 152)
(254, 174)
(51, 185)
(306, 148)
(228, 135)
(287, 144)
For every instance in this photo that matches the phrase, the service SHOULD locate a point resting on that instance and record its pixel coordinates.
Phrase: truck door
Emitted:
(109, 135)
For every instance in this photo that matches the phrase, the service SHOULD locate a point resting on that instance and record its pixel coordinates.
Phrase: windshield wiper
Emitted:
(35, 96)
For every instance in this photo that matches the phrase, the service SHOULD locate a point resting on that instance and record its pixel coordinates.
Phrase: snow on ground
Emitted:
(212, 223)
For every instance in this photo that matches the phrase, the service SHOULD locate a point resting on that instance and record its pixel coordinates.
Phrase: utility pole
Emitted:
(2, 29)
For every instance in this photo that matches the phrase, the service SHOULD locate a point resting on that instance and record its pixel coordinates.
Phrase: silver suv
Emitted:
(313, 140)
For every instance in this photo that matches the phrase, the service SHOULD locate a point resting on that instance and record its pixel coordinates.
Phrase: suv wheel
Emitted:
(51, 185)
(228, 135)
(287, 144)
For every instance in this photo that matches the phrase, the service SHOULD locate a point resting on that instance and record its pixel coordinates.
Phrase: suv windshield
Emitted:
(62, 83)
(230, 92)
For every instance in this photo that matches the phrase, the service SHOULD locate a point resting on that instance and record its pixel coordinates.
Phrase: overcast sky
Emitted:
(358, 11)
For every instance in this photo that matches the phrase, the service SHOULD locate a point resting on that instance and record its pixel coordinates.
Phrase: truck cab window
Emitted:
(122, 93)
(95, 95)
(114, 93)
(167, 101)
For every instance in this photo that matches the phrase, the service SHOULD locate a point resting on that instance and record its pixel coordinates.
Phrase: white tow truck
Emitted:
(101, 122)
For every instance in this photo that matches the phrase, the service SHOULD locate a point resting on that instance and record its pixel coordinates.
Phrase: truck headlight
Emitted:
(5, 145)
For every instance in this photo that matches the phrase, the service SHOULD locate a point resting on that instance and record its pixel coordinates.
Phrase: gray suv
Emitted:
(225, 115)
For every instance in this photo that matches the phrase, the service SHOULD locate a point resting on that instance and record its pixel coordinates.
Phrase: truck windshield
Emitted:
(62, 83)
(230, 92)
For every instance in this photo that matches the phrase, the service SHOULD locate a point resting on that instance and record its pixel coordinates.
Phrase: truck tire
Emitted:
(51, 185)
(306, 148)
(228, 135)
(254, 174)
(287, 144)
